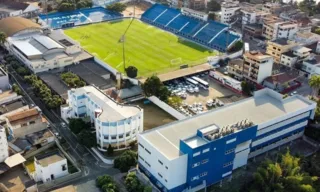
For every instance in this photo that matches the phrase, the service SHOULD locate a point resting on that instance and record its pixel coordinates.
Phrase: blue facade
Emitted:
(211, 165)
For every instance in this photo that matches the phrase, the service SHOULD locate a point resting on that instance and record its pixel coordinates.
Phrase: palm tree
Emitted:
(3, 37)
(314, 83)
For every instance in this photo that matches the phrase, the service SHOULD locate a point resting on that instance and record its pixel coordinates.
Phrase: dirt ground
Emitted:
(140, 8)
(153, 115)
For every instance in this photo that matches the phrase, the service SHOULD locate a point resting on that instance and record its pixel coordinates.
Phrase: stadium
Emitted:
(162, 40)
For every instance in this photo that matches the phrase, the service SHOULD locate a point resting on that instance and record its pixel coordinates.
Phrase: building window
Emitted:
(64, 167)
(195, 178)
(227, 164)
(106, 136)
(203, 174)
(160, 162)
(148, 151)
(32, 122)
(141, 145)
(204, 161)
(147, 163)
(196, 154)
(141, 158)
(120, 136)
(114, 137)
(23, 124)
(166, 167)
(229, 151)
(195, 165)
(160, 175)
(206, 150)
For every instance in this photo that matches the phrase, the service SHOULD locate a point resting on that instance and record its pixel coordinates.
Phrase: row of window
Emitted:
(229, 151)
(228, 164)
(198, 163)
(198, 176)
(199, 152)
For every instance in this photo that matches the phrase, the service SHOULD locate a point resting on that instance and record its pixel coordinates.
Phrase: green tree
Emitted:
(153, 86)
(125, 161)
(147, 189)
(77, 125)
(132, 71)
(22, 71)
(106, 183)
(237, 46)
(174, 101)
(314, 83)
(117, 7)
(247, 88)
(213, 6)
(212, 16)
(87, 138)
(17, 89)
(133, 184)
(163, 93)
(3, 37)
(317, 30)
(65, 6)
(110, 150)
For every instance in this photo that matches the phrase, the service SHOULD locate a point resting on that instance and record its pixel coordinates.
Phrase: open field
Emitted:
(150, 49)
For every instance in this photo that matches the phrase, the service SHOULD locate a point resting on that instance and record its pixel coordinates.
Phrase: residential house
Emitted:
(277, 47)
(312, 65)
(50, 166)
(11, 8)
(281, 81)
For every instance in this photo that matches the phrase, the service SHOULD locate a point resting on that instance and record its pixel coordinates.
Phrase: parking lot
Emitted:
(197, 99)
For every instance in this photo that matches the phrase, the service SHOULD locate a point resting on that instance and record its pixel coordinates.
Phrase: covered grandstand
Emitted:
(210, 34)
(78, 17)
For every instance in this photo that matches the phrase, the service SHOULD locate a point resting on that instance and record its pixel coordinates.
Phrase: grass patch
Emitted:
(149, 49)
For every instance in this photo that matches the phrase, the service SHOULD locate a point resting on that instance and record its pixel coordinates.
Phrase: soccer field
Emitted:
(148, 48)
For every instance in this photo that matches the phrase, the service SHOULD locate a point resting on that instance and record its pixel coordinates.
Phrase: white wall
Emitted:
(265, 70)
(242, 151)
(176, 174)
(4, 153)
(44, 173)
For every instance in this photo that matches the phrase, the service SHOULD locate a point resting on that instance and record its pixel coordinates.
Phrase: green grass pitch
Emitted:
(148, 48)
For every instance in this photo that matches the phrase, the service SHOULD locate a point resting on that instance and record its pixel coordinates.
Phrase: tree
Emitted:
(212, 16)
(125, 161)
(132, 71)
(317, 30)
(153, 86)
(110, 150)
(22, 71)
(17, 89)
(213, 6)
(237, 46)
(77, 125)
(133, 184)
(106, 183)
(247, 88)
(147, 189)
(174, 101)
(3, 37)
(117, 7)
(65, 6)
(87, 138)
(163, 93)
(314, 83)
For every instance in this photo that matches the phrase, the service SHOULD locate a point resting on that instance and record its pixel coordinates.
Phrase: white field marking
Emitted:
(119, 65)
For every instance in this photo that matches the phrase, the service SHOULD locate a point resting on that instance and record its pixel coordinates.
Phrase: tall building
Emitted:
(276, 28)
(255, 66)
(4, 153)
(116, 124)
(277, 47)
(228, 9)
(204, 149)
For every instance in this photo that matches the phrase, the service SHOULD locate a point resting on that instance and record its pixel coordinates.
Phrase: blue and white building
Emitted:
(116, 124)
(202, 150)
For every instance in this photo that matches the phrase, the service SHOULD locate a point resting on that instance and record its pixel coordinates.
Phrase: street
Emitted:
(91, 166)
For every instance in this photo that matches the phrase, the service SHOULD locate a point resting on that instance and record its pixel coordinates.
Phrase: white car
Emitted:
(209, 103)
(190, 90)
(196, 89)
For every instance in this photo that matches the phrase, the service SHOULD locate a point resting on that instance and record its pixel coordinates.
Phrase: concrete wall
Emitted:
(166, 108)
(106, 66)
(35, 152)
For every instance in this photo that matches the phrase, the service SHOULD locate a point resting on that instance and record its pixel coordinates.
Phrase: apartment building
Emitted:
(228, 9)
(116, 124)
(252, 15)
(188, 155)
(312, 65)
(277, 47)
(276, 28)
(4, 152)
(295, 55)
(254, 67)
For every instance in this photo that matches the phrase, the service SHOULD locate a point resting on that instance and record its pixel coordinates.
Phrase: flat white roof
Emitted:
(26, 48)
(47, 42)
(14, 160)
(111, 110)
(263, 107)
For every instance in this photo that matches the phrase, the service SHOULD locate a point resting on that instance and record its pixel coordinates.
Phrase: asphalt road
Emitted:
(90, 165)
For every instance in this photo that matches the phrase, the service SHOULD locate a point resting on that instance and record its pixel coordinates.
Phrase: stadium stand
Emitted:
(78, 17)
(210, 34)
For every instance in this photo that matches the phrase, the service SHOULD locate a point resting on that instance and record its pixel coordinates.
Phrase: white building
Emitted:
(37, 50)
(312, 65)
(288, 59)
(116, 124)
(4, 153)
(50, 166)
(11, 8)
(202, 150)
(276, 28)
(196, 14)
(252, 15)
(306, 38)
(228, 9)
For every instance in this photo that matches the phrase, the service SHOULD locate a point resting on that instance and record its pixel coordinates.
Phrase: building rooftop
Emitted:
(8, 6)
(314, 60)
(256, 55)
(22, 116)
(15, 160)
(301, 49)
(281, 78)
(289, 54)
(265, 106)
(49, 158)
(11, 106)
(281, 41)
(36, 137)
(111, 110)
(13, 25)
